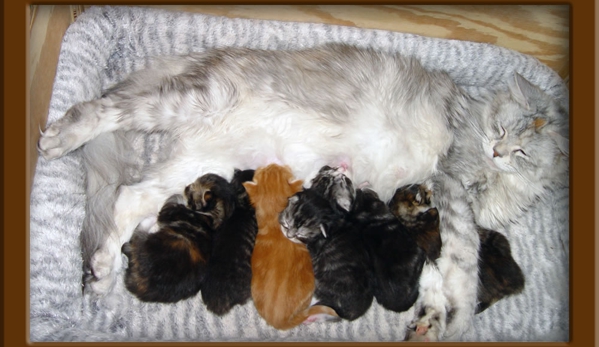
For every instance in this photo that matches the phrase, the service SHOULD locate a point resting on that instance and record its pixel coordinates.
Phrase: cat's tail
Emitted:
(108, 164)
(315, 313)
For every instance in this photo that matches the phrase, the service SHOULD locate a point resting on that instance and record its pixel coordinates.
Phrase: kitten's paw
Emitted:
(321, 317)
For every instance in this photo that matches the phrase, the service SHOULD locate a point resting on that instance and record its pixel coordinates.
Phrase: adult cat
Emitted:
(383, 115)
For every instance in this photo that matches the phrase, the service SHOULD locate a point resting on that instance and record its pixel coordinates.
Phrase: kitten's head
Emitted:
(410, 201)
(335, 186)
(271, 187)
(308, 216)
(367, 205)
(212, 194)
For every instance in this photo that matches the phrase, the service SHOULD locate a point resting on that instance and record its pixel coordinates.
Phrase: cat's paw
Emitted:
(408, 202)
(105, 264)
(427, 328)
(69, 132)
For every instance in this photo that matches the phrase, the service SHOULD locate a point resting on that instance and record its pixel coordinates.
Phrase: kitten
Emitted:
(171, 264)
(396, 259)
(412, 205)
(499, 274)
(229, 273)
(282, 276)
(403, 123)
(318, 218)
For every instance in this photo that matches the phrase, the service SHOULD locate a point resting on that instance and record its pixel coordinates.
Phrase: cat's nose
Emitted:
(495, 154)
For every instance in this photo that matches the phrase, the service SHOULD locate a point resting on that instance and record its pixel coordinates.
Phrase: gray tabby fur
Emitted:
(119, 315)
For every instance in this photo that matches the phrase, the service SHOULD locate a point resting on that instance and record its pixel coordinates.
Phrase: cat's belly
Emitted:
(382, 154)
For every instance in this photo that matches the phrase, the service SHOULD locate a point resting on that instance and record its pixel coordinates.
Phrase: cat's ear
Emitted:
(562, 142)
(249, 186)
(323, 231)
(523, 91)
(296, 185)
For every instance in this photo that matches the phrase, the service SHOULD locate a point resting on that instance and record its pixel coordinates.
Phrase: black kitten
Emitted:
(318, 218)
(229, 273)
(499, 275)
(396, 258)
(170, 264)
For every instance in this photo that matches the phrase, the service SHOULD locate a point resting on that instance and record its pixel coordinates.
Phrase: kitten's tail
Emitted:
(107, 167)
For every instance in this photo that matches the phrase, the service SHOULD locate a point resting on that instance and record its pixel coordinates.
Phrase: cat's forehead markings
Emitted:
(539, 122)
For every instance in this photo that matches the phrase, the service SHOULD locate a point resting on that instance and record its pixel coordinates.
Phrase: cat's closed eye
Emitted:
(520, 152)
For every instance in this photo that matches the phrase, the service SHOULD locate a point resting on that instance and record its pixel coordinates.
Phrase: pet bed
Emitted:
(107, 43)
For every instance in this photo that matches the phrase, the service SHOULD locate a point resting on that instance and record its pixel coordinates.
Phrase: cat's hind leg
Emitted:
(135, 204)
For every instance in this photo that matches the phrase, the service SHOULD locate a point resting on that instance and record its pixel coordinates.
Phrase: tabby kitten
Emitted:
(229, 272)
(318, 217)
(171, 264)
(396, 259)
(282, 277)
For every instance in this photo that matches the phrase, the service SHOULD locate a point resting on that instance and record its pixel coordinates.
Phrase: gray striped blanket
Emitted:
(107, 43)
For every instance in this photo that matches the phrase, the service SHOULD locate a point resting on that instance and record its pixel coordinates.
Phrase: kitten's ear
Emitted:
(249, 186)
(523, 91)
(296, 185)
(562, 143)
(323, 231)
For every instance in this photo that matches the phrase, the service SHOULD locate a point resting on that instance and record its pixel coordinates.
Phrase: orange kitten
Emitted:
(282, 275)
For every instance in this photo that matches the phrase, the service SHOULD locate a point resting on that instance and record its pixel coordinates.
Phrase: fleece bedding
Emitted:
(107, 43)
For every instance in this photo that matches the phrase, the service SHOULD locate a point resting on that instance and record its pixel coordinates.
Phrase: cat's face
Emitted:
(410, 201)
(522, 131)
(334, 185)
(304, 217)
(212, 194)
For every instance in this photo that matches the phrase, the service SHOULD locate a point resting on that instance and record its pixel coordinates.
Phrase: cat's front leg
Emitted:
(430, 310)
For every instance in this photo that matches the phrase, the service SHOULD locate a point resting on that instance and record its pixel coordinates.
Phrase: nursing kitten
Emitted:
(506, 148)
(282, 276)
(171, 264)
(229, 273)
(412, 205)
(396, 259)
(499, 274)
(318, 218)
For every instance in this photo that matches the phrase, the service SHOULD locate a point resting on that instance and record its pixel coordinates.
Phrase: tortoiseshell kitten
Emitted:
(396, 259)
(170, 264)
(229, 275)
(499, 275)
(412, 205)
(318, 217)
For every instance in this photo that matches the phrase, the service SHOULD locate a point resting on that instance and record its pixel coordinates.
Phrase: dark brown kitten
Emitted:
(499, 275)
